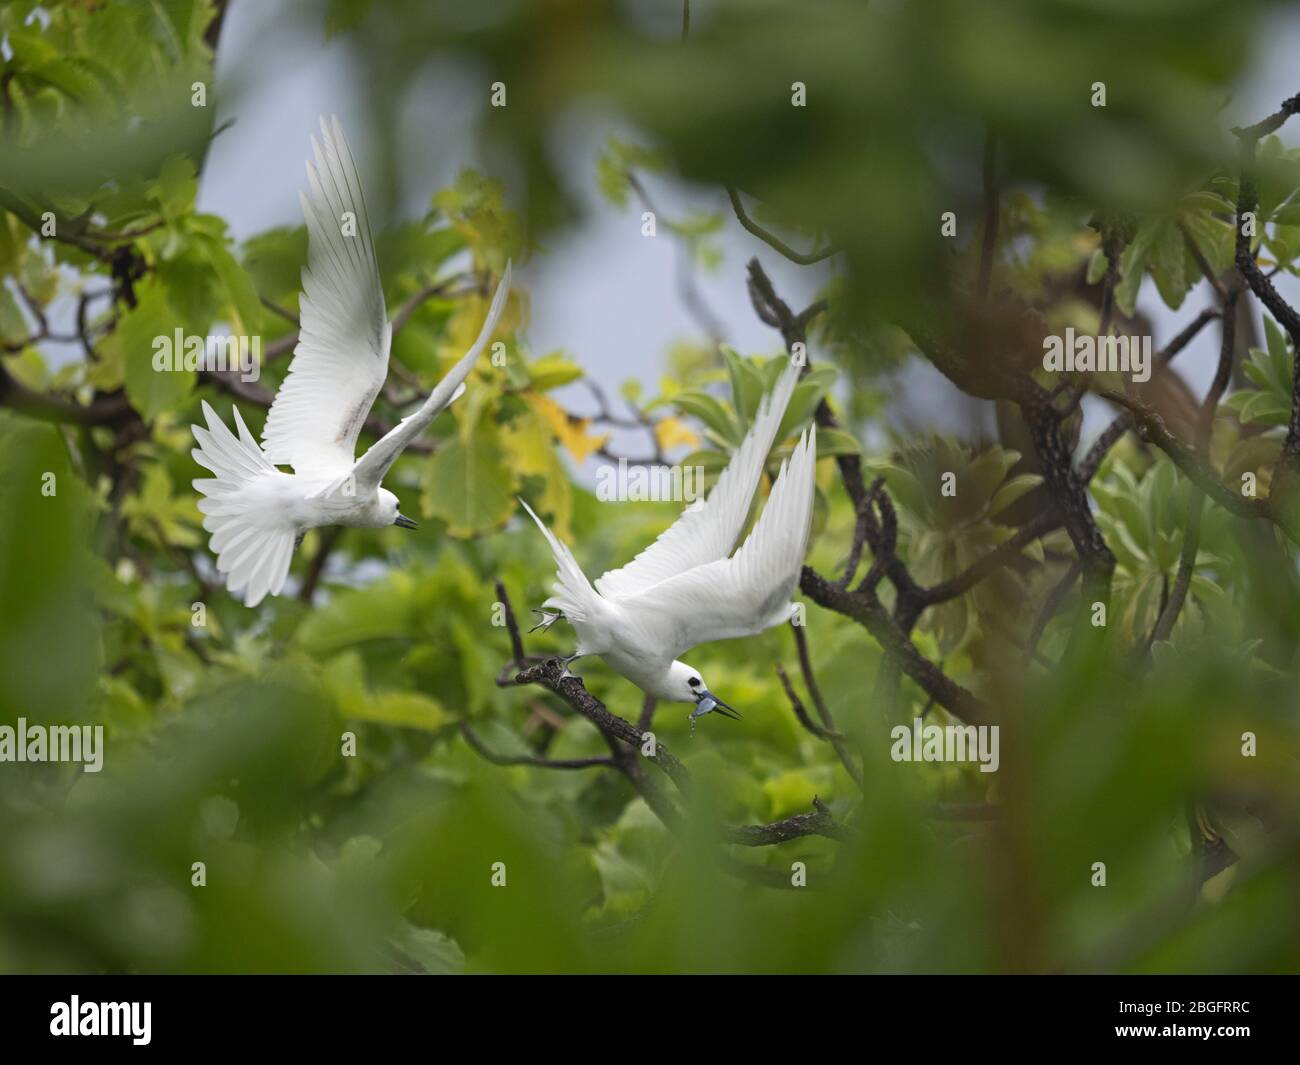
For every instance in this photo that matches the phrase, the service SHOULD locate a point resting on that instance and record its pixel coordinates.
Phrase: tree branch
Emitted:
(773, 241)
(1154, 430)
(866, 609)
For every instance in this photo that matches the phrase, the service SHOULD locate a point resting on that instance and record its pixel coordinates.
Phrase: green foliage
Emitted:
(1144, 517)
(952, 505)
(1270, 371)
(321, 754)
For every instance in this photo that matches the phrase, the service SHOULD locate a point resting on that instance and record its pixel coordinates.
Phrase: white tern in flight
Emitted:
(258, 514)
(687, 587)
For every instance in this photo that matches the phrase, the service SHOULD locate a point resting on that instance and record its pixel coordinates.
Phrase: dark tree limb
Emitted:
(616, 729)
(549, 674)
(1153, 429)
(773, 241)
(1070, 498)
(801, 712)
(870, 613)
(329, 538)
(106, 409)
(512, 625)
(1007, 551)
(1123, 422)
(820, 823)
(829, 731)
(1168, 616)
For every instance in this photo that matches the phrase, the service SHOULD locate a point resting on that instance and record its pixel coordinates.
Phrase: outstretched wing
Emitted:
(748, 592)
(341, 358)
(707, 530)
(372, 466)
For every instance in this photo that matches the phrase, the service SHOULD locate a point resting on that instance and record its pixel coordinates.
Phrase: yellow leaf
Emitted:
(672, 432)
(527, 444)
(570, 431)
(466, 320)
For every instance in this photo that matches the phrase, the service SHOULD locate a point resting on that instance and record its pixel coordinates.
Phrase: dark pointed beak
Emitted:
(717, 705)
(403, 522)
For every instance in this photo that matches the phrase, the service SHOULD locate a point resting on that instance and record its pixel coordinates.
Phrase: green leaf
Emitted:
(175, 188)
(982, 475)
(1168, 267)
(13, 326)
(789, 793)
(1012, 490)
(1097, 264)
(746, 384)
(400, 708)
(836, 442)
(903, 486)
(712, 413)
(469, 485)
(552, 371)
(711, 461)
(437, 954)
(1134, 262)
(1276, 342)
(808, 394)
(37, 58)
(238, 287)
(152, 392)
(11, 244)
(1206, 201)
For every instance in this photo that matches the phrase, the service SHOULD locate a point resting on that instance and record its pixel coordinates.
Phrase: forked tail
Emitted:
(249, 536)
(573, 594)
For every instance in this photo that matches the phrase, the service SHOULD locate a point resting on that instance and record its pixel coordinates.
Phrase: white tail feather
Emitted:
(573, 593)
(252, 544)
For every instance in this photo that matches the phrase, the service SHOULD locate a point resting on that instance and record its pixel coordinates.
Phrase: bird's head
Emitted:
(388, 512)
(687, 686)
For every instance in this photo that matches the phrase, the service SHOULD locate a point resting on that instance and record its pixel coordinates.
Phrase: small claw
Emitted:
(565, 672)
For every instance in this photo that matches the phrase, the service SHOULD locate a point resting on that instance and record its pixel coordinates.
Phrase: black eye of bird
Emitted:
(694, 682)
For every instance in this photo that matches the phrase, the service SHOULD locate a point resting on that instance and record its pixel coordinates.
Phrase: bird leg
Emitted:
(297, 540)
(548, 617)
(571, 658)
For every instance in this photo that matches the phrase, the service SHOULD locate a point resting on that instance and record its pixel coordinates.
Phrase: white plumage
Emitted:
(687, 587)
(255, 512)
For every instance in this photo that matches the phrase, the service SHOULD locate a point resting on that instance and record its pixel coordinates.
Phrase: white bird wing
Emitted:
(707, 530)
(744, 594)
(372, 466)
(341, 359)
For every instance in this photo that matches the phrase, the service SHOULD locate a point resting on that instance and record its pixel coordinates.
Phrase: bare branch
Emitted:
(1154, 429)
(773, 241)
(512, 626)
(796, 704)
(868, 611)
